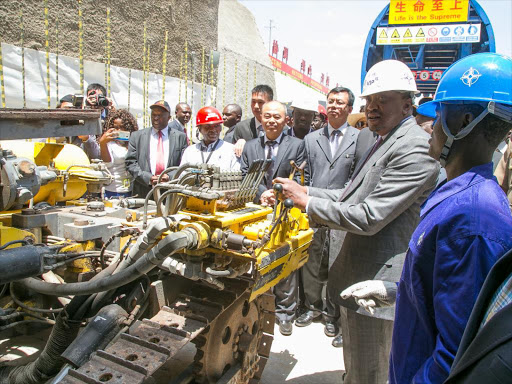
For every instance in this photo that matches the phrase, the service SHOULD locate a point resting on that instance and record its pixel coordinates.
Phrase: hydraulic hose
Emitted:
(187, 238)
(144, 242)
(50, 361)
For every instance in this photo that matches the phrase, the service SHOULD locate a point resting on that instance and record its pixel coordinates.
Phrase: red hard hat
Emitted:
(208, 116)
(322, 110)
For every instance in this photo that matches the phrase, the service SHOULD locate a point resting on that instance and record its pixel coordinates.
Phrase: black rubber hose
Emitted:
(21, 304)
(166, 247)
(103, 249)
(49, 363)
(9, 243)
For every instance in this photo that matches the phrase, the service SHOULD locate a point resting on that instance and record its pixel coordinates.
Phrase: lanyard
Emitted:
(210, 155)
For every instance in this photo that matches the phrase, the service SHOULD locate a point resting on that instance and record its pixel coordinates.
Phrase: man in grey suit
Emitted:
(282, 149)
(379, 210)
(153, 149)
(330, 156)
(249, 129)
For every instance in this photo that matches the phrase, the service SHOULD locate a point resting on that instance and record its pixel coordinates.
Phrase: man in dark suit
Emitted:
(330, 156)
(282, 149)
(249, 129)
(378, 209)
(231, 114)
(183, 114)
(154, 149)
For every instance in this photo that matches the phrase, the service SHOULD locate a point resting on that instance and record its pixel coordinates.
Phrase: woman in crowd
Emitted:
(113, 148)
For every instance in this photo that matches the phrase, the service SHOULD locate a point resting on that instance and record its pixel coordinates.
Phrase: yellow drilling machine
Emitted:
(118, 287)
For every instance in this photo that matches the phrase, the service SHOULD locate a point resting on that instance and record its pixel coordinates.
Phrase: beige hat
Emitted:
(355, 118)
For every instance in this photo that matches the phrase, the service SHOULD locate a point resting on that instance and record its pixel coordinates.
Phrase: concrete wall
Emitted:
(222, 25)
(192, 20)
(239, 39)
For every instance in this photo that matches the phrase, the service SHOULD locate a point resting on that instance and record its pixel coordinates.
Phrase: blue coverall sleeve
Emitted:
(461, 266)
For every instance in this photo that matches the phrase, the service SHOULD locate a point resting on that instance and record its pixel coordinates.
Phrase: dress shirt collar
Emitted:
(342, 129)
(278, 140)
(257, 123)
(165, 132)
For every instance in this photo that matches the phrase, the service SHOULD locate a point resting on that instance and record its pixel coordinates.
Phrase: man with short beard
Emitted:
(378, 209)
(152, 150)
(211, 150)
(302, 116)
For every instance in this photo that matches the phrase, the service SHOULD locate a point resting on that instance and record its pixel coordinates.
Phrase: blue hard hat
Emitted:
(482, 77)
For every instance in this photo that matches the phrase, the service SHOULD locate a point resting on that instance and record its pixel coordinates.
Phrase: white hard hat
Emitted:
(305, 103)
(389, 75)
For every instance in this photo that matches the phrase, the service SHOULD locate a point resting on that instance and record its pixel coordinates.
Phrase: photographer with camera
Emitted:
(114, 147)
(95, 99)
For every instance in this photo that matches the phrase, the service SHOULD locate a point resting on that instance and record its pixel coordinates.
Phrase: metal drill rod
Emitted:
(266, 166)
(248, 195)
(244, 183)
(254, 176)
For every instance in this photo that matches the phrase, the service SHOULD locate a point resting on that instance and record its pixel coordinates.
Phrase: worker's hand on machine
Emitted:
(154, 179)
(239, 147)
(108, 136)
(294, 191)
(268, 198)
(372, 294)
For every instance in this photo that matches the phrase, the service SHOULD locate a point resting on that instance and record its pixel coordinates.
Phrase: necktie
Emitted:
(335, 141)
(160, 163)
(374, 149)
(270, 148)
(260, 130)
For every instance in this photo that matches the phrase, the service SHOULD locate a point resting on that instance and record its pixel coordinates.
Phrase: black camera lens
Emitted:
(102, 101)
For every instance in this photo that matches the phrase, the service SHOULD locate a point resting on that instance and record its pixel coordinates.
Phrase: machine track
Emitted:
(200, 316)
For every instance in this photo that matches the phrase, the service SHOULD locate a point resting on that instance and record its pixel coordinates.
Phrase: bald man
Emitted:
(282, 149)
(232, 114)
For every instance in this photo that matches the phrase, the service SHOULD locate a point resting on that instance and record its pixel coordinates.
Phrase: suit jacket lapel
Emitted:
(283, 149)
(171, 146)
(491, 335)
(146, 143)
(323, 142)
(260, 149)
(363, 168)
(346, 141)
(252, 125)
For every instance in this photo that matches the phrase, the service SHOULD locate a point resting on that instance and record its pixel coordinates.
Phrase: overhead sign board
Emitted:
(429, 34)
(425, 75)
(428, 11)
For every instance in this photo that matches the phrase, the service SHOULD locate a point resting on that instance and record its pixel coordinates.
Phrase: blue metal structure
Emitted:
(427, 56)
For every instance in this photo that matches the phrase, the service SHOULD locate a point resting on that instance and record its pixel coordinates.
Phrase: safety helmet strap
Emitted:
(460, 135)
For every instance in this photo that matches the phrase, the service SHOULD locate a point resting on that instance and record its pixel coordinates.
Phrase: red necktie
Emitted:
(160, 164)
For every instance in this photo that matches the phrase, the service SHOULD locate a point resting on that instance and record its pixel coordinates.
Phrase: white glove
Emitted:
(371, 294)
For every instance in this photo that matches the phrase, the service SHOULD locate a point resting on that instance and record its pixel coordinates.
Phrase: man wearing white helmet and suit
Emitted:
(379, 209)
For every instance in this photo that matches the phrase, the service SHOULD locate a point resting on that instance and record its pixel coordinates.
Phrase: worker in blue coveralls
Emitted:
(465, 226)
